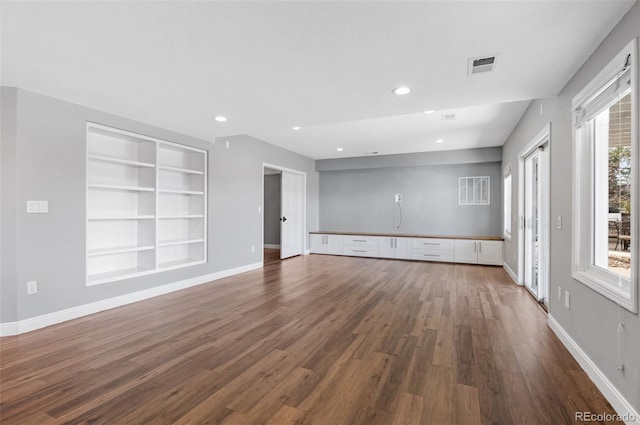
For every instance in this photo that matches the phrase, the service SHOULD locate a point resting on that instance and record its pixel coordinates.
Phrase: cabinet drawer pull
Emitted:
(359, 240)
(430, 243)
(358, 250)
(431, 255)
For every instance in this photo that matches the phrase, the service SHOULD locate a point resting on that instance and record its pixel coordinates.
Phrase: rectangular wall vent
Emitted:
(474, 190)
(482, 64)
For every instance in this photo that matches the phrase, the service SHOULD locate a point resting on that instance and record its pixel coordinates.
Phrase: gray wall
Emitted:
(272, 204)
(44, 159)
(8, 193)
(592, 320)
(362, 200)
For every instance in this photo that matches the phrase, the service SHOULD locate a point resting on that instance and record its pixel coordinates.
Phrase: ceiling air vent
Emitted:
(448, 117)
(482, 64)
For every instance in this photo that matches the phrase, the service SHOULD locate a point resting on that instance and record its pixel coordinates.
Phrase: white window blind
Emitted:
(473, 190)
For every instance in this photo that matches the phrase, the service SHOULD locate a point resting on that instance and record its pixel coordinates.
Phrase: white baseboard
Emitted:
(606, 387)
(31, 324)
(272, 246)
(511, 273)
(9, 328)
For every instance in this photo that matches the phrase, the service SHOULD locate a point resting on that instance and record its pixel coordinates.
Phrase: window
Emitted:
(605, 165)
(473, 190)
(506, 212)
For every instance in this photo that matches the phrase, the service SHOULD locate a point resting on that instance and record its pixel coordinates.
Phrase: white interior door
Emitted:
(291, 231)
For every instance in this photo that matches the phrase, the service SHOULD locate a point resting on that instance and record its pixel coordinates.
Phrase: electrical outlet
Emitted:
(559, 222)
(567, 304)
(227, 144)
(398, 197)
(559, 293)
(259, 210)
(32, 287)
(253, 248)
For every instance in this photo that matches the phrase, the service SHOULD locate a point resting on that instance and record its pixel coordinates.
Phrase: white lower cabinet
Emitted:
(432, 249)
(478, 252)
(470, 251)
(490, 253)
(392, 247)
(360, 246)
(325, 244)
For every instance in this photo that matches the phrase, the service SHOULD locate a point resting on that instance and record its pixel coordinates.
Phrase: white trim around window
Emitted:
(613, 80)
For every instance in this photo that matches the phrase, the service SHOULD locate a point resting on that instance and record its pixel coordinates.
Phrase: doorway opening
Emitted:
(533, 208)
(284, 206)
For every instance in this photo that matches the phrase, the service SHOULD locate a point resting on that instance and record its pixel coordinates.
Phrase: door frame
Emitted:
(305, 249)
(541, 140)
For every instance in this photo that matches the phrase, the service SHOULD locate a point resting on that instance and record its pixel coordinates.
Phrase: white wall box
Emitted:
(478, 252)
(325, 244)
(146, 205)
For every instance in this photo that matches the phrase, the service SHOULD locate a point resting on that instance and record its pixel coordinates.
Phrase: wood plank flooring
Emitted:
(308, 340)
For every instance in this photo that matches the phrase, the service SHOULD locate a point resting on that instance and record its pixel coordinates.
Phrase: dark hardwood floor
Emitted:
(308, 340)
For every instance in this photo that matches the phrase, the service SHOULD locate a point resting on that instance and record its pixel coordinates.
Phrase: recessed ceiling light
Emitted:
(429, 112)
(401, 90)
(220, 118)
(439, 141)
(297, 127)
(339, 149)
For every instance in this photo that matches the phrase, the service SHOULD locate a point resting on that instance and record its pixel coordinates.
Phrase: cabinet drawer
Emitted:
(360, 251)
(367, 241)
(430, 243)
(432, 255)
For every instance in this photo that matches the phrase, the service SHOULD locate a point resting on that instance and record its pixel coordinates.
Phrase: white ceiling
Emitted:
(328, 67)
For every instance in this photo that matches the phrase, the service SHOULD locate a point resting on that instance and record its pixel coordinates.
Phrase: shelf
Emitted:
(121, 217)
(118, 250)
(182, 192)
(117, 187)
(180, 263)
(115, 160)
(180, 242)
(172, 217)
(95, 279)
(181, 170)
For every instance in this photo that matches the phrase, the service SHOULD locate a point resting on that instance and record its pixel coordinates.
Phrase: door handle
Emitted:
(480, 245)
(283, 219)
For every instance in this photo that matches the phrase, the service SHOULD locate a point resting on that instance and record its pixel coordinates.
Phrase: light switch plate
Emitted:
(559, 293)
(37, 207)
(567, 304)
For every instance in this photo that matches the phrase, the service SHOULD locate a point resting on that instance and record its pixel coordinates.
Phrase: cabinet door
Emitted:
(403, 248)
(466, 251)
(386, 247)
(334, 244)
(490, 252)
(316, 244)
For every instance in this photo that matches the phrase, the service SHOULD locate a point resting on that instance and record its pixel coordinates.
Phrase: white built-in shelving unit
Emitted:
(146, 205)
